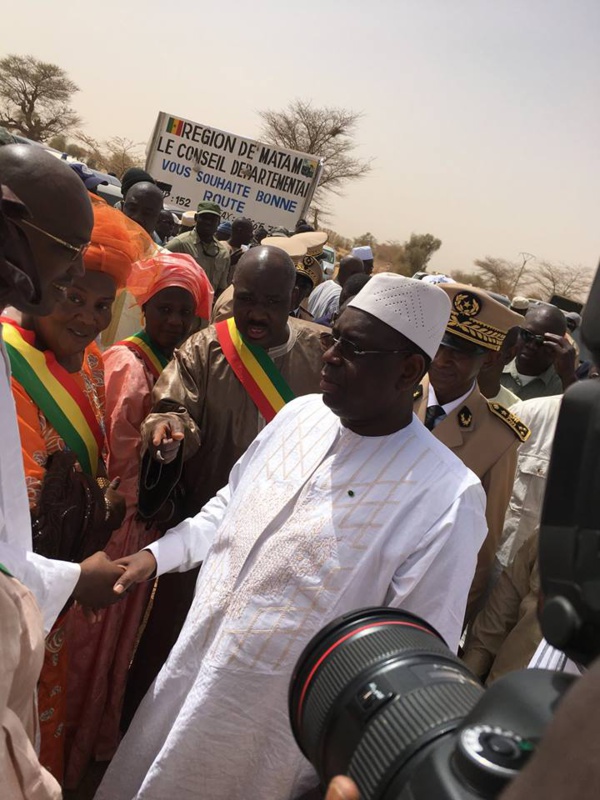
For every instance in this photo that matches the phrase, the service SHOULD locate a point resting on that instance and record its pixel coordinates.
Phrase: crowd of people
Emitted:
(211, 450)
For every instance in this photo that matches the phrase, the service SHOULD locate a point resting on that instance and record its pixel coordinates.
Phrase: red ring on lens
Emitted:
(340, 641)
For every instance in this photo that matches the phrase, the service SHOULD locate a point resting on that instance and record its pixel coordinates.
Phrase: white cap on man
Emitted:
(188, 219)
(419, 311)
(364, 253)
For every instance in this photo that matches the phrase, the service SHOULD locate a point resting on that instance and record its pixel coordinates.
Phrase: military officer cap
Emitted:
(477, 323)
(295, 249)
(310, 264)
(315, 241)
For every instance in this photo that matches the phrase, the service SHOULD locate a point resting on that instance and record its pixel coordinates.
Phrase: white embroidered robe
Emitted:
(315, 521)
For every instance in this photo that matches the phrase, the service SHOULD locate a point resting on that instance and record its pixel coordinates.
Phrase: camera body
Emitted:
(378, 696)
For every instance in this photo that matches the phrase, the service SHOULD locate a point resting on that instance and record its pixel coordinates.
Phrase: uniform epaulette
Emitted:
(514, 423)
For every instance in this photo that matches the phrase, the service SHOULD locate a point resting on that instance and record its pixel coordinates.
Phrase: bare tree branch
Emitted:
(537, 279)
(328, 133)
(563, 280)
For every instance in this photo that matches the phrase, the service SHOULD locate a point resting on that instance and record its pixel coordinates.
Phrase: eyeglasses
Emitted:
(349, 351)
(532, 338)
(76, 251)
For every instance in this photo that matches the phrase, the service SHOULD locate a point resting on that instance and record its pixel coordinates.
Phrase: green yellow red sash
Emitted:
(143, 345)
(254, 369)
(56, 394)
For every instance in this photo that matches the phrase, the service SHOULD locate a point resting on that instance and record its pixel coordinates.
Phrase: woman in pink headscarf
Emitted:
(172, 290)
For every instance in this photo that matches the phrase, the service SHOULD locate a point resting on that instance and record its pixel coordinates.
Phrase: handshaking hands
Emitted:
(103, 582)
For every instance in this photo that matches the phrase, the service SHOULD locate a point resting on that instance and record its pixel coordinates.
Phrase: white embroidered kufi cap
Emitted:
(419, 311)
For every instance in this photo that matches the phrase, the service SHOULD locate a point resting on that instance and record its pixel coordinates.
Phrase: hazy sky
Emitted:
(482, 116)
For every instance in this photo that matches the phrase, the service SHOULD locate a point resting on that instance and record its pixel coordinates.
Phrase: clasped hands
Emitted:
(103, 582)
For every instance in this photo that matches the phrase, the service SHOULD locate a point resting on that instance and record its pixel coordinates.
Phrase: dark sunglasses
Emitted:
(532, 338)
(348, 350)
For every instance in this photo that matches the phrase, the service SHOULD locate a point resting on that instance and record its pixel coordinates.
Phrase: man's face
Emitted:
(304, 285)
(262, 301)
(165, 225)
(143, 207)
(245, 233)
(61, 219)
(533, 357)
(206, 226)
(452, 372)
(363, 389)
(58, 259)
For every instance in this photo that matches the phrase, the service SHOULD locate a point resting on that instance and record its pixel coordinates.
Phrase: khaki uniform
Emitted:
(216, 267)
(506, 632)
(485, 437)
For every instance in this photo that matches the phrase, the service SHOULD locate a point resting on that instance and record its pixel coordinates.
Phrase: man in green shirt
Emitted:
(200, 243)
(545, 359)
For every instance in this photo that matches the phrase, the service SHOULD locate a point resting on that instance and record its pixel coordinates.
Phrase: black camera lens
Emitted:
(371, 692)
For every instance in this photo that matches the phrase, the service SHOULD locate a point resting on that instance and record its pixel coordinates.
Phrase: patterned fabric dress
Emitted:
(103, 650)
(39, 440)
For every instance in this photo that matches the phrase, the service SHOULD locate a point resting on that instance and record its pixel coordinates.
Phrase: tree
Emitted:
(470, 278)
(122, 154)
(115, 155)
(61, 143)
(418, 251)
(572, 282)
(367, 239)
(408, 257)
(35, 97)
(337, 241)
(537, 279)
(327, 133)
(502, 276)
(390, 258)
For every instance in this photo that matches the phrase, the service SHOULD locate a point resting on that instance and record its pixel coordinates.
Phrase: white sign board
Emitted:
(271, 186)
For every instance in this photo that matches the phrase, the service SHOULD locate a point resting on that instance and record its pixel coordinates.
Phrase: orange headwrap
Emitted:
(117, 242)
(172, 269)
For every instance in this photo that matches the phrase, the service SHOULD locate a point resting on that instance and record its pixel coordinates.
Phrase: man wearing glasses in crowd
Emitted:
(546, 360)
(45, 226)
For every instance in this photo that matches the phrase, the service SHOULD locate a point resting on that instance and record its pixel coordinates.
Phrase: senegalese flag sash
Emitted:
(55, 392)
(143, 345)
(254, 369)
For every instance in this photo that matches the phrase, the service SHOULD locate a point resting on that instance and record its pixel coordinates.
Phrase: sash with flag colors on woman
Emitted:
(56, 394)
(143, 345)
(254, 369)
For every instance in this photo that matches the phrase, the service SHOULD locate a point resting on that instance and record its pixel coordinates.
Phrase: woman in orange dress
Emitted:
(58, 387)
(172, 290)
